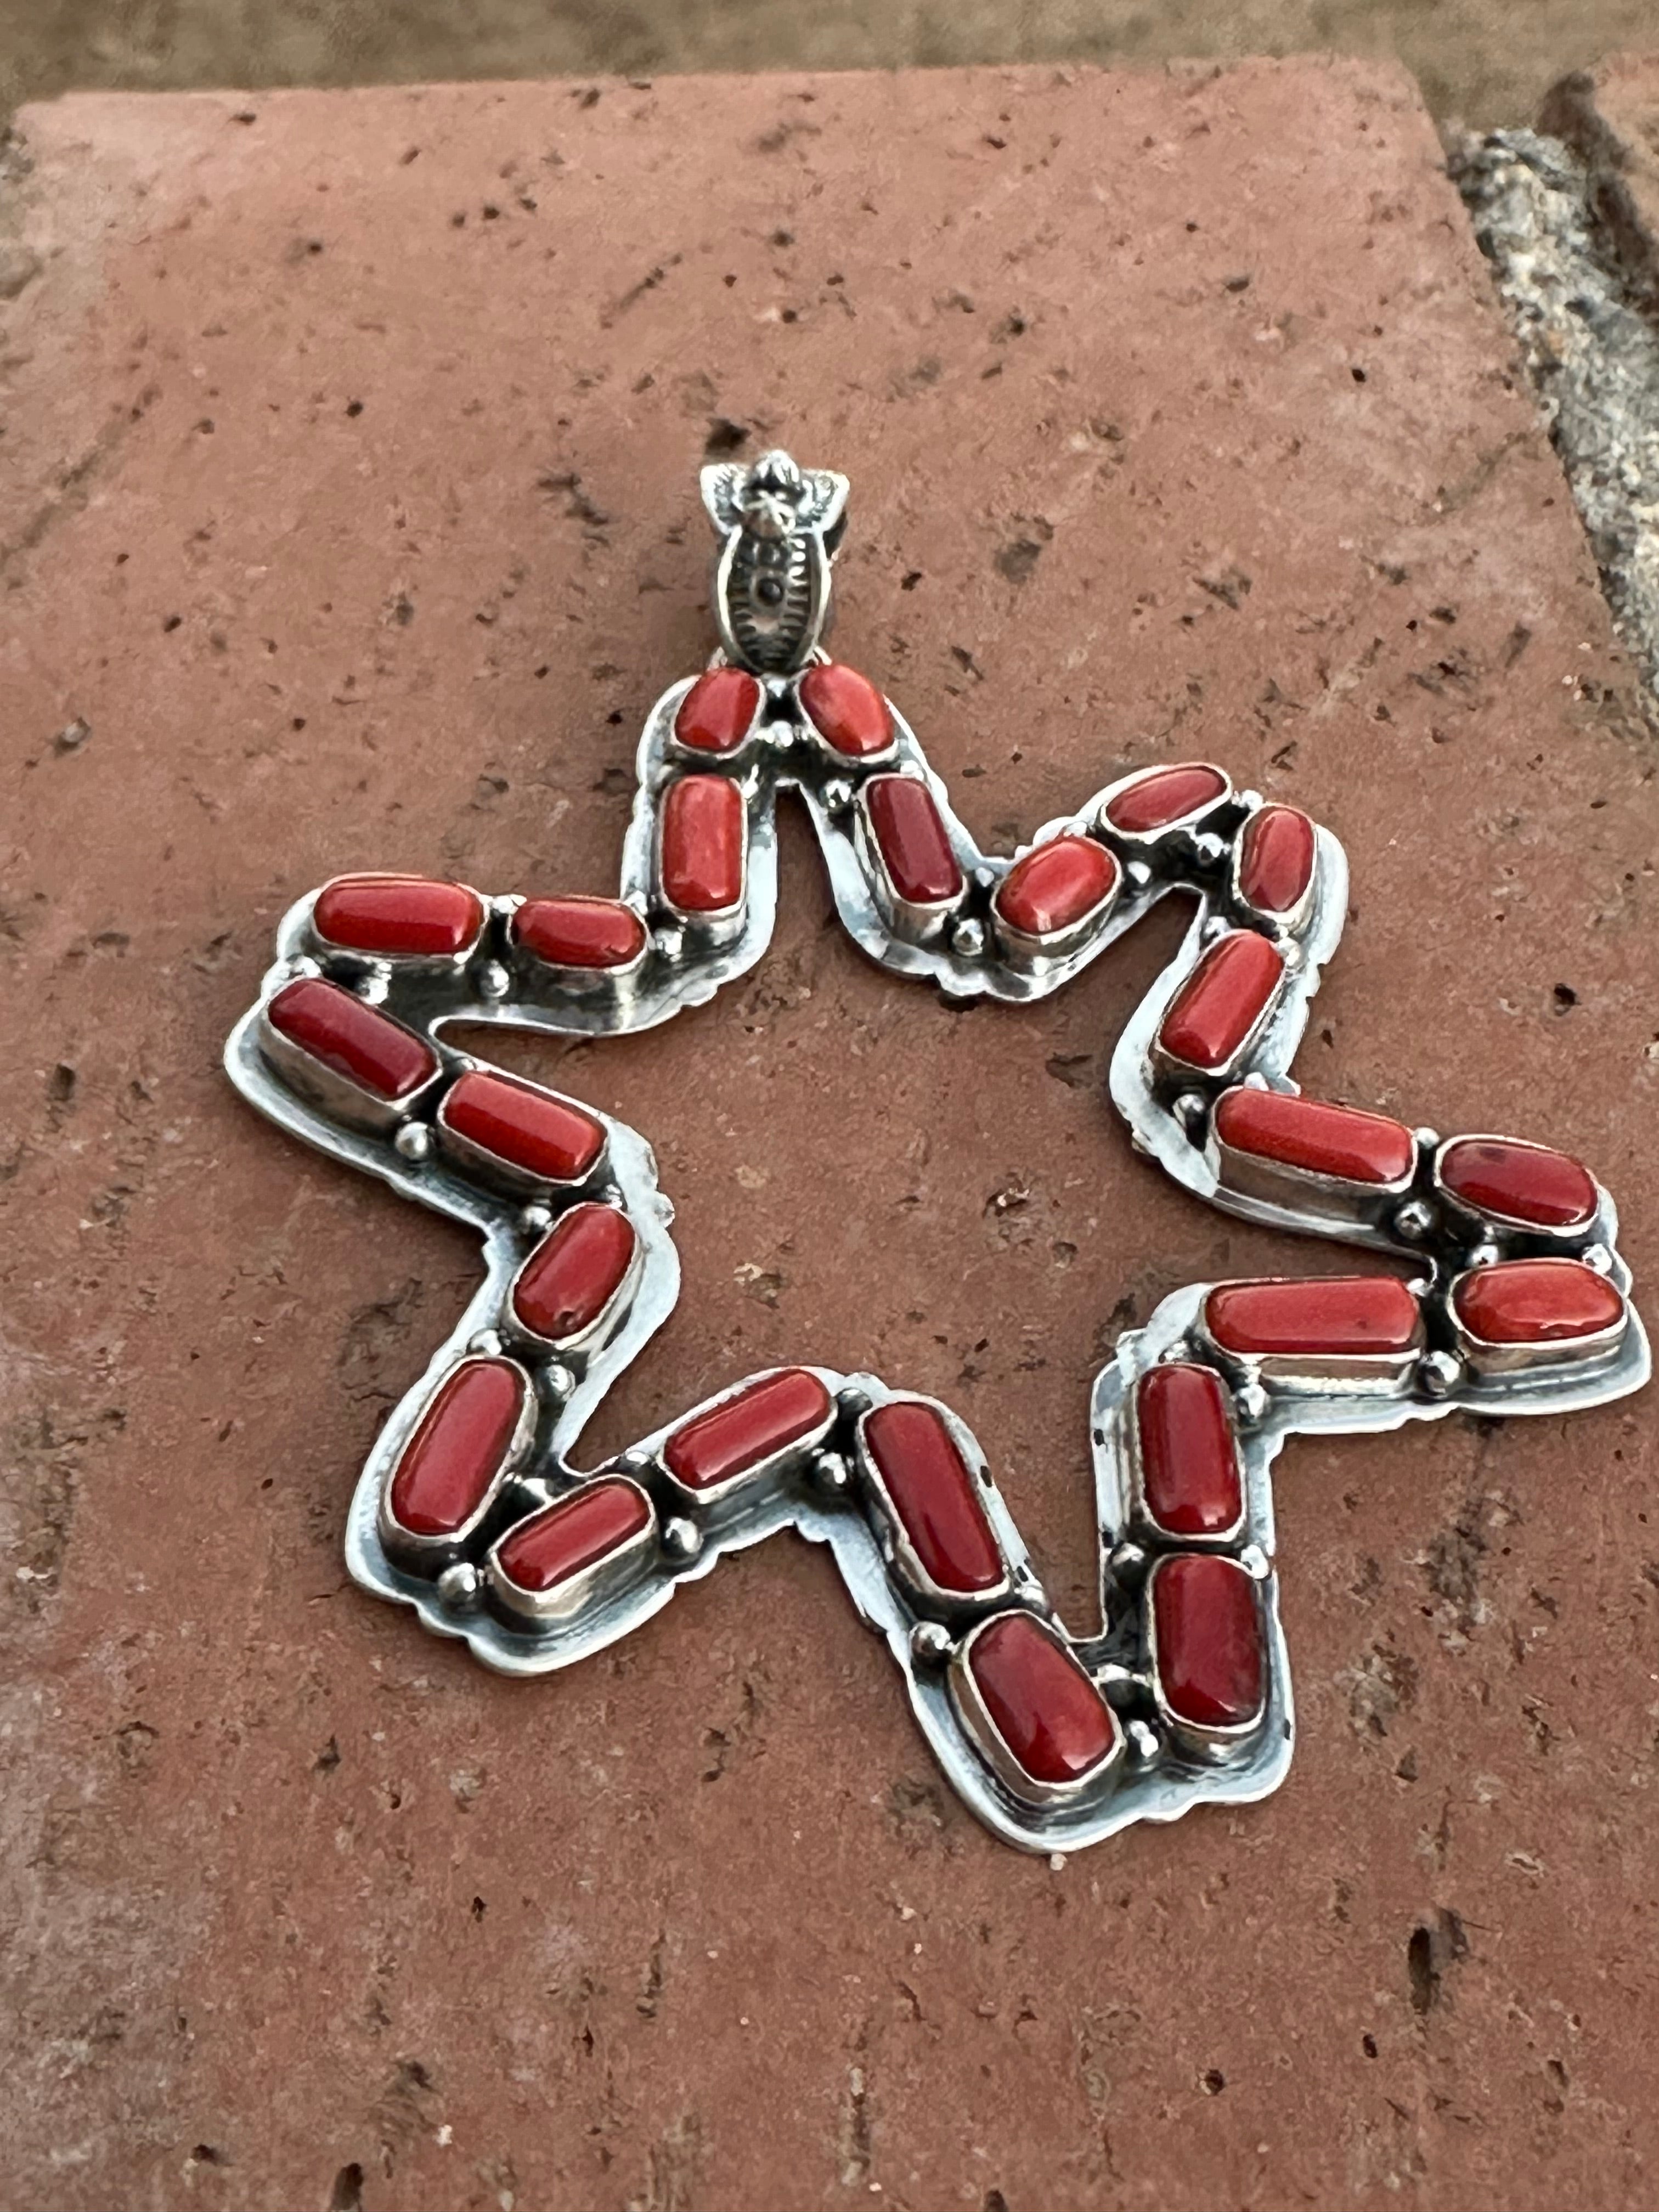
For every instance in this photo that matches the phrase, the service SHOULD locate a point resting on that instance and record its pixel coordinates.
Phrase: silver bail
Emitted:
(779, 526)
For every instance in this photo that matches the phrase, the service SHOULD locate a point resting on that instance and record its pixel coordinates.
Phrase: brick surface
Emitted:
(350, 519)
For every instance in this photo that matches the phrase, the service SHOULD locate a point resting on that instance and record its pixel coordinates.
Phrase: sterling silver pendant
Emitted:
(470, 1508)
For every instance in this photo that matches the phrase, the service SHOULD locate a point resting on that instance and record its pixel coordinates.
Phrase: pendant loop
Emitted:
(781, 527)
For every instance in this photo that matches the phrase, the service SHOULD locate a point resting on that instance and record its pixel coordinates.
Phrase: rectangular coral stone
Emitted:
(717, 1446)
(1317, 1139)
(933, 1496)
(1327, 1316)
(702, 839)
(1216, 1010)
(335, 1029)
(526, 1127)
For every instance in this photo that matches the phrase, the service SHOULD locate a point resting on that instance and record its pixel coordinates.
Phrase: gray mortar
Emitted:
(1592, 356)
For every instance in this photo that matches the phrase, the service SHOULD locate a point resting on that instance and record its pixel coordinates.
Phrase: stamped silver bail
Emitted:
(779, 526)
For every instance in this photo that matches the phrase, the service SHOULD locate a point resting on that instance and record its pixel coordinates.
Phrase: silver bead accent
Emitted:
(1294, 958)
(1138, 872)
(1598, 1257)
(1414, 1220)
(1252, 1403)
(1485, 1254)
(494, 981)
(486, 1342)
(682, 1540)
(670, 942)
(967, 939)
(1144, 1746)
(1429, 1138)
(1439, 1374)
(459, 1587)
(371, 988)
(1126, 1559)
(1255, 1563)
(534, 1221)
(1209, 848)
(301, 969)
(558, 1379)
(832, 1475)
(837, 794)
(1191, 1109)
(930, 1644)
(414, 1141)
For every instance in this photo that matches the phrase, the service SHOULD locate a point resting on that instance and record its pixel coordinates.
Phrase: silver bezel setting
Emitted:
(1285, 921)
(1580, 1355)
(475, 1159)
(575, 978)
(582, 1343)
(380, 964)
(1479, 1222)
(1319, 1373)
(977, 1724)
(779, 1466)
(602, 1581)
(1340, 1200)
(897, 1549)
(1037, 954)
(1177, 1074)
(919, 921)
(430, 1554)
(1195, 1738)
(337, 1095)
(710, 926)
(1144, 1519)
(1180, 827)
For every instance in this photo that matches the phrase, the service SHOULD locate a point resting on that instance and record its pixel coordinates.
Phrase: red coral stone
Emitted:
(847, 710)
(528, 1127)
(579, 932)
(1519, 1182)
(444, 1470)
(572, 1533)
(717, 712)
(1221, 1001)
(1276, 859)
(1164, 795)
(398, 915)
(1044, 1707)
(1189, 1460)
(571, 1278)
(1536, 1302)
(337, 1029)
(1344, 1314)
(1054, 887)
(1212, 1665)
(911, 838)
(1305, 1132)
(933, 1495)
(704, 836)
(747, 1428)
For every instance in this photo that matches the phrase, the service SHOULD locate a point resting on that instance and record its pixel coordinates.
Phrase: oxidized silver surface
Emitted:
(779, 527)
